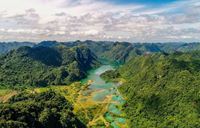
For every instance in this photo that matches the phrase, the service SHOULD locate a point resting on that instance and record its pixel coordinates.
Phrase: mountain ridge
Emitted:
(45, 66)
(161, 88)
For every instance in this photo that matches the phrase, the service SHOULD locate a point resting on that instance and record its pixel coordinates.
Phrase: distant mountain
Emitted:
(42, 66)
(118, 51)
(189, 47)
(123, 51)
(6, 47)
(48, 44)
(181, 47)
(162, 90)
(113, 51)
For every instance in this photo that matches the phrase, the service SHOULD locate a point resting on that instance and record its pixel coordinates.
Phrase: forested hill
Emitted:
(114, 51)
(124, 51)
(41, 66)
(6, 47)
(42, 110)
(162, 90)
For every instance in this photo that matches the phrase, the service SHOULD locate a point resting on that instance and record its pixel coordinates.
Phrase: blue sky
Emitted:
(149, 2)
(115, 20)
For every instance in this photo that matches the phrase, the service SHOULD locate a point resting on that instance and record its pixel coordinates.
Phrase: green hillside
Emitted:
(120, 51)
(115, 51)
(41, 66)
(8, 46)
(44, 110)
(124, 51)
(159, 83)
(181, 47)
(162, 90)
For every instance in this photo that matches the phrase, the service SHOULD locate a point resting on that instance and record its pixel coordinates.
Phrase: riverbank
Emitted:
(106, 97)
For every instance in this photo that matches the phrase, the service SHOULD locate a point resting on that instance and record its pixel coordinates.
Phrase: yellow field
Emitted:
(5, 94)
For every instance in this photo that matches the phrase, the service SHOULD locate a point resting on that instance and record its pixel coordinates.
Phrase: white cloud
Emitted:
(63, 20)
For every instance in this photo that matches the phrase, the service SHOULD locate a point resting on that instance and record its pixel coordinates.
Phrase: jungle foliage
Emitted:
(44, 110)
(162, 90)
(42, 66)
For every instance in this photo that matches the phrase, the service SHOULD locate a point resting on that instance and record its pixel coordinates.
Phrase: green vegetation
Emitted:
(120, 52)
(44, 110)
(42, 66)
(181, 47)
(124, 51)
(162, 90)
(6, 94)
(110, 75)
(159, 82)
(111, 51)
(6, 47)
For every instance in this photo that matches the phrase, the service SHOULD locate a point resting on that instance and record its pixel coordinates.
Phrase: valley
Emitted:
(99, 63)
(105, 97)
(104, 88)
(99, 103)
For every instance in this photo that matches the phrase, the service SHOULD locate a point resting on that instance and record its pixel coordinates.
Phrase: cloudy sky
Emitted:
(122, 20)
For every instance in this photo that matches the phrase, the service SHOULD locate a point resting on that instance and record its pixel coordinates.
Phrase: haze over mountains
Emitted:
(8, 46)
(102, 46)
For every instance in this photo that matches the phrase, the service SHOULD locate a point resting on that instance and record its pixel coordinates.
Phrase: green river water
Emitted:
(114, 115)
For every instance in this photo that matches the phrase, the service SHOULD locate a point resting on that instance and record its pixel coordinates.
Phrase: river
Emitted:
(107, 94)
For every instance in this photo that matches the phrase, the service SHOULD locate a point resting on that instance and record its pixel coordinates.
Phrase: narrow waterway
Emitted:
(103, 92)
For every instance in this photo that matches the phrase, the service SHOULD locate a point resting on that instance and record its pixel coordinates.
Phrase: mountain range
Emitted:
(159, 81)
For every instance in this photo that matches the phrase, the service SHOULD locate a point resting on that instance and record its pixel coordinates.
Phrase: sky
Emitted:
(111, 20)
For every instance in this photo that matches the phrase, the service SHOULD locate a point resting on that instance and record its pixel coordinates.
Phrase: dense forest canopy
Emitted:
(160, 82)
(114, 51)
(162, 90)
(44, 110)
(5, 47)
(42, 66)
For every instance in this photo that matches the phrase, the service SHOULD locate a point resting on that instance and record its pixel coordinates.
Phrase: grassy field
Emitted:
(5, 94)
